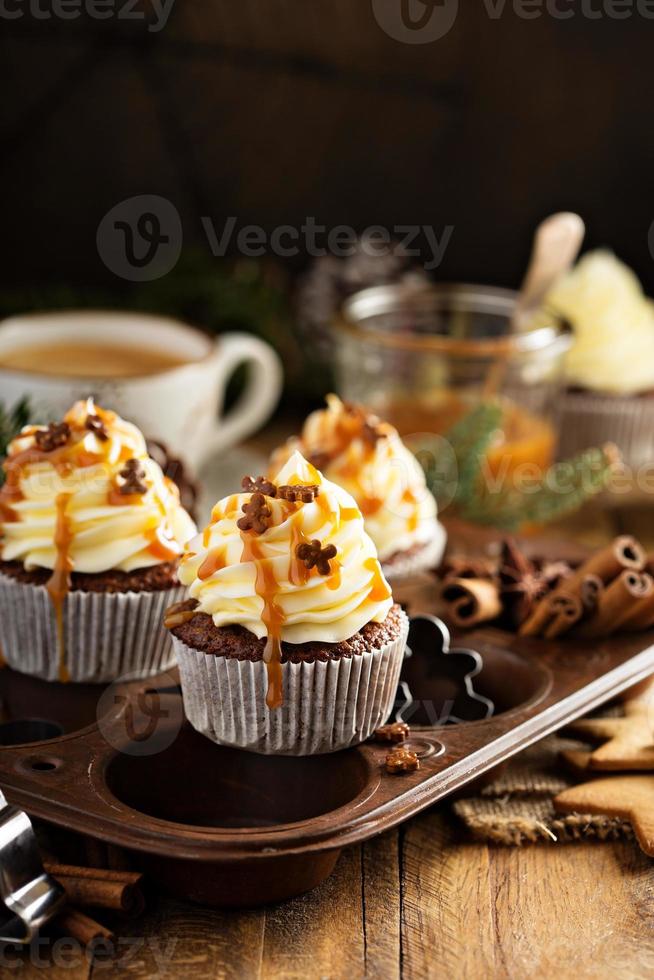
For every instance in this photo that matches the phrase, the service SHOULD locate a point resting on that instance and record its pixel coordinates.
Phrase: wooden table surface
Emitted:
(419, 902)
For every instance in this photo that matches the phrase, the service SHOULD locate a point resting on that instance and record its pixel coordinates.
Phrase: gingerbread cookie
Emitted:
(629, 797)
(628, 741)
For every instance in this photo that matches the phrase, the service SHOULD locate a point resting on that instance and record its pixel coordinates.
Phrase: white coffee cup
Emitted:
(181, 406)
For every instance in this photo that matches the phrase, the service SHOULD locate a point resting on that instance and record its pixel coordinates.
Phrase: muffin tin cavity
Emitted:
(440, 685)
(196, 782)
(33, 710)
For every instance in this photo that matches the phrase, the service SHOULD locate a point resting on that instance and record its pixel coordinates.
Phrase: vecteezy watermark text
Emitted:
(140, 239)
(156, 17)
(426, 21)
(316, 240)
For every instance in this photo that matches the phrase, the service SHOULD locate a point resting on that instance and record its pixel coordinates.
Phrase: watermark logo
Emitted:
(141, 238)
(141, 722)
(415, 21)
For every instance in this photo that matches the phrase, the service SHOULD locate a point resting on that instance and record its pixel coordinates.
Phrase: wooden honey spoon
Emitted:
(556, 244)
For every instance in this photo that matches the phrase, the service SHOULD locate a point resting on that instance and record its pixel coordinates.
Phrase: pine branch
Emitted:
(11, 422)
(565, 487)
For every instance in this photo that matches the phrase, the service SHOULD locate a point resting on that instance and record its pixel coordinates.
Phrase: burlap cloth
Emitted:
(516, 807)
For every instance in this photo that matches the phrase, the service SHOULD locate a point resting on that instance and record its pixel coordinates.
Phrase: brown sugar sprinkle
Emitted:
(401, 760)
(397, 731)
(305, 492)
(259, 485)
(95, 425)
(314, 555)
(257, 515)
(56, 435)
(133, 474)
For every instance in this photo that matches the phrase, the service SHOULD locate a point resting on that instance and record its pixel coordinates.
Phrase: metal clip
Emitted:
(28, 896)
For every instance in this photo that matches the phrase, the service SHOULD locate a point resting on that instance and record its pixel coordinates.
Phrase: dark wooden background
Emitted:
(271, 110)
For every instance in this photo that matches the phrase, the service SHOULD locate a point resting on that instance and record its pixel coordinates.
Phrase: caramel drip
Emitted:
(273, 618)
(409, 497)
(159, 547)
(214, 562)
(298, 573)
(63, 460)
(58, 584)
(369, 505)
(379, 590)
(334, 580)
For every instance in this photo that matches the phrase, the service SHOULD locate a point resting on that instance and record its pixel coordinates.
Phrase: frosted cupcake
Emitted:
(290, 643)
(91, 534)
(610, 367)
(366, 456)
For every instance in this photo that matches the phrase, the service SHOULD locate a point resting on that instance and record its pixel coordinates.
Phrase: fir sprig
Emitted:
(454, 467)
(11, 422)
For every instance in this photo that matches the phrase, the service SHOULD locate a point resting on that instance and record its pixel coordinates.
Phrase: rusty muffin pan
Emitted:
(229, 828)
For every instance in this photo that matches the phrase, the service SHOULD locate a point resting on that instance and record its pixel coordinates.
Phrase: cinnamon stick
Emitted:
(617, 603)
(590, 589)
(81, 927)
(99, 887)
(622, 553)
(553, 616)
(641, 615)
(471, 601)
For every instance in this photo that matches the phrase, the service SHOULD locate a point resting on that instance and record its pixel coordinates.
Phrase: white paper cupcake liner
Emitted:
(106, 635)
(327, 706)
(590, 420)
(429, 556)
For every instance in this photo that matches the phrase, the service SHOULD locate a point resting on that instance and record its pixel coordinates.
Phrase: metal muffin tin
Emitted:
(230, 828)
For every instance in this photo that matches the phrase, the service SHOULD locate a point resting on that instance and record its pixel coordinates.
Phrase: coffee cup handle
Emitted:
(259, 397)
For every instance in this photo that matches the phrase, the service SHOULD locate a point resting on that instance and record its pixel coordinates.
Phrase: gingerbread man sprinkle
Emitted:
(305, 492)
(95, 425)
(314, 555)
(55, 436)
(134, 475)
(257, 515)
(259, 485)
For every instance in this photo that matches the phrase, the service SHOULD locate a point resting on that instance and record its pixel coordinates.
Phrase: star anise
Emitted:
(133, 476)
(306, 492)
(95, 425)
(521, 584)
(257, 515)
(259, 485)
(56, 435)
(314, 555)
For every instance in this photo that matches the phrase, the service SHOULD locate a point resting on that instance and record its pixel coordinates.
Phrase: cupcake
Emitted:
(366, 457)
(289, 642)
(91, 534)
(609, 368)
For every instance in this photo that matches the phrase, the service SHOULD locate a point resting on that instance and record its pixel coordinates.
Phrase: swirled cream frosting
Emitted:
(366, 457)
(85, 496)
(291, 563)
(613, 324)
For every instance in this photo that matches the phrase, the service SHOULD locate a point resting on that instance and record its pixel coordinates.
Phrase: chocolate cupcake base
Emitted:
(106, 635)
(334, 695)
(420, 558)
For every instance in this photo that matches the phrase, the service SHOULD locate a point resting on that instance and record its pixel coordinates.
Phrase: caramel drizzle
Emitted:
(266, 587)
(58, 585)
(215, 561)
(379, 590)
